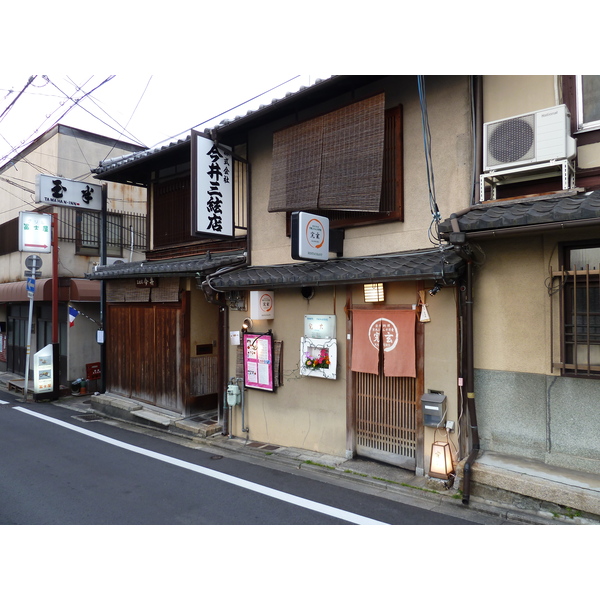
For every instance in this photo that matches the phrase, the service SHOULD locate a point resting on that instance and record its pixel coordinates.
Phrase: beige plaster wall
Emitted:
(511, 307)
(305, 412)
(204, 319)
(449, 117)
(308, 412)
(511, 95)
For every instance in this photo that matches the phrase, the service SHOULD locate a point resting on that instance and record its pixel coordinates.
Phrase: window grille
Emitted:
(576, 309)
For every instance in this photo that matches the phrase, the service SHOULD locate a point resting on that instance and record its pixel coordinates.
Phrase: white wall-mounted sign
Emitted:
(310, 236)
(212, 188)
(67, 192)
(35, 232)
(262, 305)
(319, 326)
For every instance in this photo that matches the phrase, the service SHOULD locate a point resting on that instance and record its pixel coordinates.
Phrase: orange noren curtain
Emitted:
(395, 330)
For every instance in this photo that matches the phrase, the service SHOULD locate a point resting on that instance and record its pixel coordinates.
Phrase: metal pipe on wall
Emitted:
(470, 384)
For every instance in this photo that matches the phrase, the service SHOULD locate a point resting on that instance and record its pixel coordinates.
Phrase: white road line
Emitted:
(249, 485)
(4, 402)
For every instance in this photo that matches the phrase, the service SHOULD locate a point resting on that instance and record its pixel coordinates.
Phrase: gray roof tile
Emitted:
(207, 263)
(519, 213)
(418, 264)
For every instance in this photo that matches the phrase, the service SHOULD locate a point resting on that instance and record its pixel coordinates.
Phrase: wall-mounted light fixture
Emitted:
(374, 292)
(441, 466)
(435, 289)
(247, 324)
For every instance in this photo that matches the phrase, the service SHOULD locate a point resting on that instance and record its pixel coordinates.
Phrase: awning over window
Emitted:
(332, 162)
(78, 290)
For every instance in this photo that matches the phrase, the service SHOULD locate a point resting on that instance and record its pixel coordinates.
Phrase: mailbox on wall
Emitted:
(434, 409)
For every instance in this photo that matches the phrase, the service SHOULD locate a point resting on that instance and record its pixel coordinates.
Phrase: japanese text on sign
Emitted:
(214, 188)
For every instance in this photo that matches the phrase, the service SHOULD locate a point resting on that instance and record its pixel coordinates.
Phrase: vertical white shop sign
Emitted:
(212, 188)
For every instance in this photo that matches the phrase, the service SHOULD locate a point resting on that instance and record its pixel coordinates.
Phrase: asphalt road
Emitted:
(57, 469)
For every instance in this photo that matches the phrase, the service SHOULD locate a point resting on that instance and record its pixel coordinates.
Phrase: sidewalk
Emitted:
(488, 503)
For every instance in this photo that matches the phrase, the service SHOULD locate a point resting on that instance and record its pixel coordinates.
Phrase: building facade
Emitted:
(65, 153)
(484, 341)
(535, 302)
(384, 232)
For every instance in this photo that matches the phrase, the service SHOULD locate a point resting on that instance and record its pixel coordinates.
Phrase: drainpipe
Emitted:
(458, 239)
(470, 383)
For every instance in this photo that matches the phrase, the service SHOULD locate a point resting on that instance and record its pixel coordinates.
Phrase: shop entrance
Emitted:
(386, 427)
(387, 383)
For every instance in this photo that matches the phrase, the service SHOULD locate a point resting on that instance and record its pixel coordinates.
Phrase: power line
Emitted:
(75, 102)
(228, 110)
(29, 82)
(123, 129)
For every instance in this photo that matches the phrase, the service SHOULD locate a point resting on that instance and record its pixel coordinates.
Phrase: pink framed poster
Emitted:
(258, 361)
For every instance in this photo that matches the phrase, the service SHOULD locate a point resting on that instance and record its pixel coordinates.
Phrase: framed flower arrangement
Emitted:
(318, 357)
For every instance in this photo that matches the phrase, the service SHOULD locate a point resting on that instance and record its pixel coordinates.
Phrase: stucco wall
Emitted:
(449, 118)
(309, 412)
(524, 407)
(511, 306)
(204, 319)
(510, 95)
(305, 412)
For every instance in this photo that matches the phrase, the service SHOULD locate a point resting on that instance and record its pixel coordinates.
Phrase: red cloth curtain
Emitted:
(392, 329)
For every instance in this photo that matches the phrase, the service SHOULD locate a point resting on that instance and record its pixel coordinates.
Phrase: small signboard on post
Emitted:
(35, 233)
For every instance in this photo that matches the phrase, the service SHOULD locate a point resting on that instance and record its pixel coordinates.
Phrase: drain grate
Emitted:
(91, 417)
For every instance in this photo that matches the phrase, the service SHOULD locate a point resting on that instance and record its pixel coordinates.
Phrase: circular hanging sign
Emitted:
(383, 330)
(315, 233)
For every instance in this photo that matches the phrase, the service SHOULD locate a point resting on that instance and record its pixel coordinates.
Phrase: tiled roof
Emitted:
(498, 215)
(418, 264)
(207, 263)
(320, 90)
(121, 161)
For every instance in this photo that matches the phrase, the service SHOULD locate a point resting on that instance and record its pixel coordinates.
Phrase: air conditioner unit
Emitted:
(536, 137)
(115, 261)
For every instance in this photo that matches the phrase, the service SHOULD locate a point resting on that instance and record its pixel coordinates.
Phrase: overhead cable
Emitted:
(29, 82)
(433, 231)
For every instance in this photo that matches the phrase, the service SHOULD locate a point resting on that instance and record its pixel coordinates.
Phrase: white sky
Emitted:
(144, 109)
(183, 63)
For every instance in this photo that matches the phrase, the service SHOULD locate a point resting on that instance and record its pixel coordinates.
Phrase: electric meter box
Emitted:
(233, 395)
(434, 409)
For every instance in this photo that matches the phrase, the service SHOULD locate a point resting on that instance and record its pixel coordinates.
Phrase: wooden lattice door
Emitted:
(386, 418)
